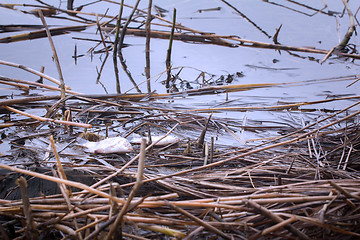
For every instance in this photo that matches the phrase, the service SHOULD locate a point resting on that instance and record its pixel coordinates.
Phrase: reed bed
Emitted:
(303, 183)
(298, 180)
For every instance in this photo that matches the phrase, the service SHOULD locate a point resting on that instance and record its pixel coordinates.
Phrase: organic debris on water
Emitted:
(144, 166)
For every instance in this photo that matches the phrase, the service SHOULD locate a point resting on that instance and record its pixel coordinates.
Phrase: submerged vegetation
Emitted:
(141, 164)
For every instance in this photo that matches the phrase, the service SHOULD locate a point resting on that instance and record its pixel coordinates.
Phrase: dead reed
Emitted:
(295, 181)
(303, 185)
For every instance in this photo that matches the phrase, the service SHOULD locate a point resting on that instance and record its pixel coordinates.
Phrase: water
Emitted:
(301, 27)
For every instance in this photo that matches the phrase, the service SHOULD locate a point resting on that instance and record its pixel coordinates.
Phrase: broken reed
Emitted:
(266, 194)
(275, 205)
(168, 55)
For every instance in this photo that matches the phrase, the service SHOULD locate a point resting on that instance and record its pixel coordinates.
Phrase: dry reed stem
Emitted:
(65, 190)
(133, 236)
(203, 132)
(168, 55)
(275, 218)
(115, 228)
(301, 137)
(225, 188)
(116, 44)
(32, 71)
(342, 45)
(66, 182)
(121, 41)
(231, 200)
(6, 80)
(191, 92)
(238, 42)
(43, 119)
(217, 39)
(147, 46)
(199, 221)
(343, 191)
(18, 85)
(132, 160)
(42, 33)
(57, 62)
(30, 224)
(277, 226)
(164, 230)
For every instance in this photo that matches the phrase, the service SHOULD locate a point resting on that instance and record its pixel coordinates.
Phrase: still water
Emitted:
(303, 24)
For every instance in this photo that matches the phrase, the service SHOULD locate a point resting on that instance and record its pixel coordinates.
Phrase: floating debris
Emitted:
(110, 145)
(163, 142)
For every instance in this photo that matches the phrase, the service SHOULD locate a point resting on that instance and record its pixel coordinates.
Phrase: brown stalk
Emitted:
(66, 229)
(57, 62)
(164, 230)
(168, 55)
(6, 80)
(147, 46)
(32, 71)
(115, 230)
(107, 53)
(43, 119)
(275, 218)
(232, 134)
(341, 46)
(132, 160)
(324, 208)
(59, 180)
(121, 42)
(199, 221)
(193, 233)
(191, 92)
(322, 225)
(90, 225)
(203, 132)
(277, 226)
(131, 236)
(18, 85)
(59, 165)
(65, 192)
(343, 191)
(328, 55)
(237, 42)
(116, 43)
(42, 33)
(252, 151)
(30, 229)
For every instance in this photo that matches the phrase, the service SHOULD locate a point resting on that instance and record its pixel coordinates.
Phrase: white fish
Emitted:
(110, 145)
(163, 142)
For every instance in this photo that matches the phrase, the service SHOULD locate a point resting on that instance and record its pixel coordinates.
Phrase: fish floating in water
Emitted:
(163, 142)
(110, 145)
